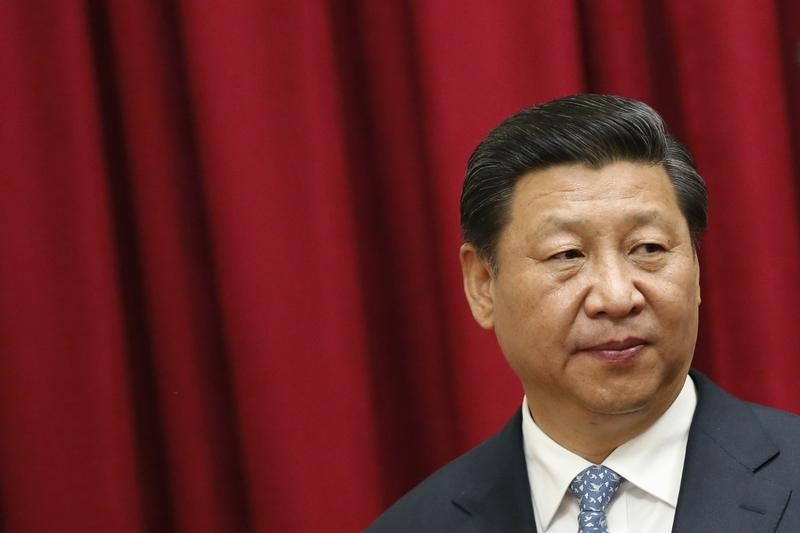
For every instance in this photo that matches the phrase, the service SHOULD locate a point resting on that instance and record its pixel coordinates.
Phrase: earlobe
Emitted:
(478, 285)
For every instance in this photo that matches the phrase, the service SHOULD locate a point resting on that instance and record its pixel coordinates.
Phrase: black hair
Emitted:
(591, 129)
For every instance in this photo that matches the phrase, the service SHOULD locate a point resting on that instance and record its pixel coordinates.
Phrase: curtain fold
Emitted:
(230, 297)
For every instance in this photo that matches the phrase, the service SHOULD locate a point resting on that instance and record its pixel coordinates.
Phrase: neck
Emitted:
(606, 434)
(594, 436)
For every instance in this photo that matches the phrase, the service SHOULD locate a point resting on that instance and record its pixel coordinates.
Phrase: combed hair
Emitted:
(591, 129)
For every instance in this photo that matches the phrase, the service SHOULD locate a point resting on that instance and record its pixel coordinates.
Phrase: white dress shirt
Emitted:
(651, 463)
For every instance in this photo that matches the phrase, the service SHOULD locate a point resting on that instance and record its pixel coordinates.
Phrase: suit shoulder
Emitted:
(430, 505)
(782, 430)
(782, 426)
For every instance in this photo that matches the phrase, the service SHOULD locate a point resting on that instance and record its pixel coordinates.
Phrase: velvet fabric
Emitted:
(229, 291)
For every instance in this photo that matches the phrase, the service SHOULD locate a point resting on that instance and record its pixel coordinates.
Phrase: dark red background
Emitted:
(229, 290)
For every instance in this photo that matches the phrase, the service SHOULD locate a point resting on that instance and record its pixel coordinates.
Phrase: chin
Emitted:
(619, 404)
(617, 409)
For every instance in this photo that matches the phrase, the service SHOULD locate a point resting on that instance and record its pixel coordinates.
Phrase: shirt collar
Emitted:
(648, 460)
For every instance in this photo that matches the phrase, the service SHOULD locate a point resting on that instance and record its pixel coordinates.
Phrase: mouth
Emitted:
(616, 351)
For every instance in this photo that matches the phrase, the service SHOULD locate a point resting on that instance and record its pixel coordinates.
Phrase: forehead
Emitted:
(576, 194)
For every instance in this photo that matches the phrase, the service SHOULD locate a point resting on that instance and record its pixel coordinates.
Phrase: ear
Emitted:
(697, 280)
(478, 285)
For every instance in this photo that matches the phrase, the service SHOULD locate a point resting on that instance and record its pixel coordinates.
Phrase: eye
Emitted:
(649, 248)
(567, 255)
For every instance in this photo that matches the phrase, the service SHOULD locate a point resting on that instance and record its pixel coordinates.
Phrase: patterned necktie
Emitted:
(594, 488)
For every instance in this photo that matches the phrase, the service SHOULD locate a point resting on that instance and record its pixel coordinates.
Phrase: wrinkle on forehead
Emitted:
(582, 191)
(573, 197)
(637, 217)
(570, 182)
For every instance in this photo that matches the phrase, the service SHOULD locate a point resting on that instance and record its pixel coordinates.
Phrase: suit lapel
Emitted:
(720, 490)
(499, 498)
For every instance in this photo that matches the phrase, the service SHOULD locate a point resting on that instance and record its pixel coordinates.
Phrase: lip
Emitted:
(616, 351)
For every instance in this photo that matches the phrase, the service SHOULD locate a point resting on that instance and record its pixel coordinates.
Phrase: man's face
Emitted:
(595, 301)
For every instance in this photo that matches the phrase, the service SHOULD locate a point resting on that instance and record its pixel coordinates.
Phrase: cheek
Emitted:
(682, 277)
(531, 303)
(676, 304)
(533, 321)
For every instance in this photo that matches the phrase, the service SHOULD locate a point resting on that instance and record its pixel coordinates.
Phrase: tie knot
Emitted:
(594, 487)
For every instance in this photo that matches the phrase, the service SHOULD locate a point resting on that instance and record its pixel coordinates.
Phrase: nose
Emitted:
(613, 290)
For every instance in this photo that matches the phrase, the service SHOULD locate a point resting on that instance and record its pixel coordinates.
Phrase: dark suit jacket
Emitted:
(741, 469)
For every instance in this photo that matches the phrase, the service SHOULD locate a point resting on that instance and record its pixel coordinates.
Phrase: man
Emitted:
(581, 219)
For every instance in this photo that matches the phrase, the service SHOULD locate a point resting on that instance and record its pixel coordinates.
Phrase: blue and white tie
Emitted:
(594, 488)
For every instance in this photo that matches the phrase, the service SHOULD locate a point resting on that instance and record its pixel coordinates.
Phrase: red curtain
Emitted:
(229, 290)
